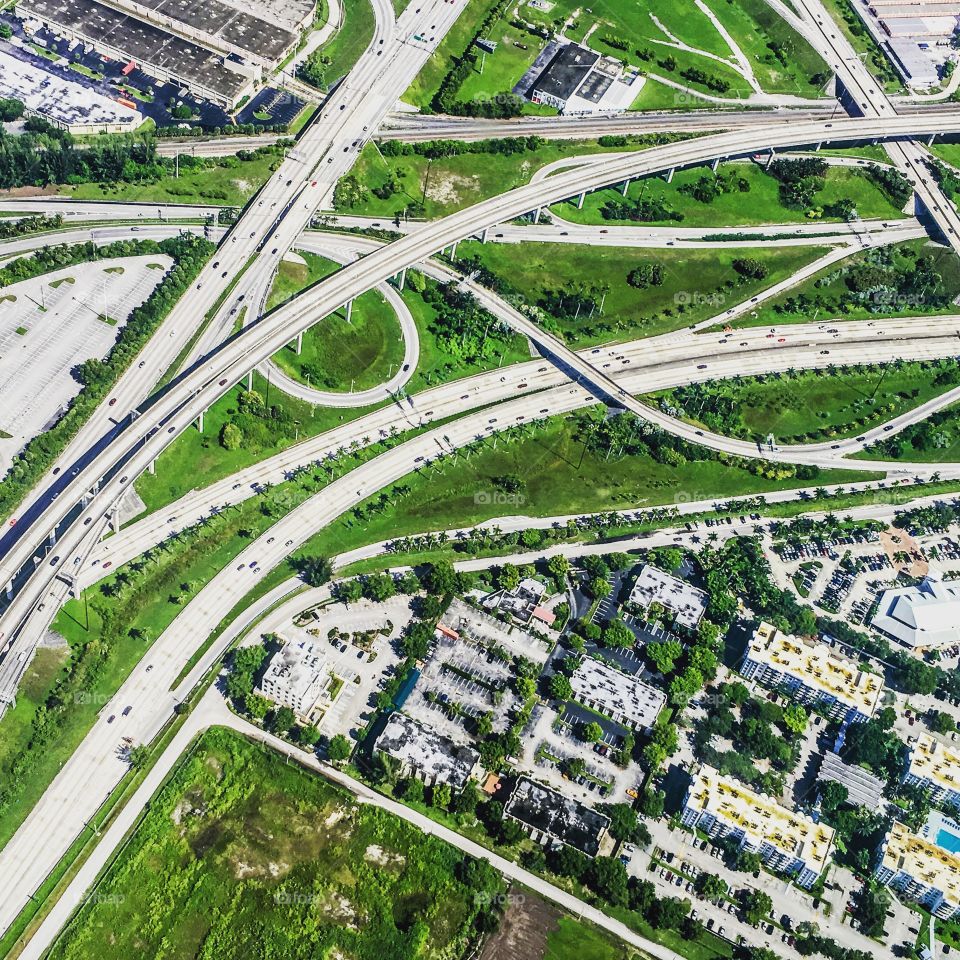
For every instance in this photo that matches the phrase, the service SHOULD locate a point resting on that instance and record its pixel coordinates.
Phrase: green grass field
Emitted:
(335, 352)
(449, 184)
(758, 205)
(242, 854)
(810, 405)
(344, 49)
(637, 32)
(232, 182)
(693, 289)
(821, 296)
(572, 939)
(558, 475)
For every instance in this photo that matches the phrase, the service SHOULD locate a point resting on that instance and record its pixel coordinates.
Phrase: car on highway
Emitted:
(111, 718)
(126, 710)
(112, 402)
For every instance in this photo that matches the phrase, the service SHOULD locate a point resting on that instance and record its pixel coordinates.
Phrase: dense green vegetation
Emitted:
(24, 225)
(125, 167)
(811, 405)
(336, 354)
(915, 277)
(98, 376)
(935, 439)
(586, 293)
(574, 464)
(241, 850)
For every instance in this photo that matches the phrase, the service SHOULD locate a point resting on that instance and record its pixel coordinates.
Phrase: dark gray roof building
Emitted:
(561, 78)
(557, 817)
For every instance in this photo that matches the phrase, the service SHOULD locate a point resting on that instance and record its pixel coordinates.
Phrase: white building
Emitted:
(687, 603)
(617, 695)
(923, 617)
(811, 673)
(62, 102)
(935, 768)
(297, 675)
(788, 842)
(920, 871)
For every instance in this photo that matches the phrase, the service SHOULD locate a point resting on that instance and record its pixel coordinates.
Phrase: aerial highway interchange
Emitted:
(74, 529)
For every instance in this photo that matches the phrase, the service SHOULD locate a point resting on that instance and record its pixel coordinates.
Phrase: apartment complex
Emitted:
(790, 843)
(935, 768)
(812, 673)
(921, 871)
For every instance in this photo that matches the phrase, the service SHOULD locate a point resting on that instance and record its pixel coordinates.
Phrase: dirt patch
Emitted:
(904, 552)
(451, 188)
(527, 924)
(29, 192)
(382, 858)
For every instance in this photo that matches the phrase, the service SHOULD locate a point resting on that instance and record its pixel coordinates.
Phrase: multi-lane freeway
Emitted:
(134, 447)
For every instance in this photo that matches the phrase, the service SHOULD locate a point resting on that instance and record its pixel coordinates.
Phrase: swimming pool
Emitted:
(943, 831)
(949, 840)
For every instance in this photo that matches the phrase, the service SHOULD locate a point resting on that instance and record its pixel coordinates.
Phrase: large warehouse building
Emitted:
(216, 50)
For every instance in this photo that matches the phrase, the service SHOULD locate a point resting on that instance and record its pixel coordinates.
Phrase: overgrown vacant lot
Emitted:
(244, 856)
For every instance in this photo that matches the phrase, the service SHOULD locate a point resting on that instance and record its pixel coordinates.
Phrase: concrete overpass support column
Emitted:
(115, 521)
(53, 537)
(536, 215)
(483, 236)
(770, 159)
(819, 146)
(580, 200)
(200, 422)
(249, 379)
(153, 466)
(350, 307)
(9, 590)
(670, 173)
(453, 251)
(626, 186)
(403, 278)
(714, 164)
(930, 139)
(299, 343)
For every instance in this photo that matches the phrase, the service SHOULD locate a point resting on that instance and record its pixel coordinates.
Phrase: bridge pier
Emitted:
(714, 164)
(200, 422)
(350, 309)
(115, 521)
(580, 200)
(931, 138)
(402, 278)
(670, 173)
(53, 537)
(249, 380)
(483, 235)
(770, 159)
(626, 186)
(9, 590)
(299, 343)
(536, 215)
(453, 250)
(152, 467)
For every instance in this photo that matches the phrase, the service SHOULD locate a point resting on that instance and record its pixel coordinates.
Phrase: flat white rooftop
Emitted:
(685, 601)
(59, 99)
(616, 694)
(931, 760)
